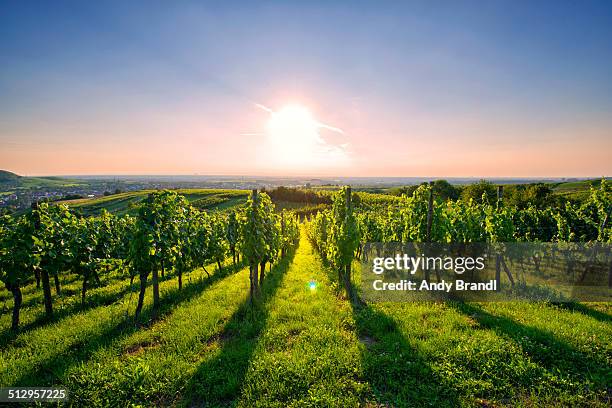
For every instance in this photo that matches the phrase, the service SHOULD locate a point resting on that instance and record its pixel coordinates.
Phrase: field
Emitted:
(10, 180)
(126, 203)
(148, 305)
(575, 189)
(299, 346)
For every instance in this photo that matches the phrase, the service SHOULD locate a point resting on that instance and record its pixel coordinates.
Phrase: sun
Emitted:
(294, 141)
(292, 130)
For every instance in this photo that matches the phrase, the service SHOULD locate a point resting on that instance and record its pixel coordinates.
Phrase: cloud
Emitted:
(328, 127)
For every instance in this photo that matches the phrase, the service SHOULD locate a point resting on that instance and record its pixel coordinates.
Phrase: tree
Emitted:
(414, 213)
(125, 230)
(444, 190)
(476, 191)
(523, 196)
(317, 230)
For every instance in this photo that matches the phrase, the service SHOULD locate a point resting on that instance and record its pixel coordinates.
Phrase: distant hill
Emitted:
(7, 177)
(10, 181)
(578, 190)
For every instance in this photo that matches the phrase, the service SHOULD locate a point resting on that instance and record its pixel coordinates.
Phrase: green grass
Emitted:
(576, 190)
(576, 185)
(38, 182)
(299, 347)
(126, 203)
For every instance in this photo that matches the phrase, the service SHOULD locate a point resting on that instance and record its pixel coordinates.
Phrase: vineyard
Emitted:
(176, 305)
(167, 234)
(339, 233)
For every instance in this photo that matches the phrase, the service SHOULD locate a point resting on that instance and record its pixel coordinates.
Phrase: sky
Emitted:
(307, 88)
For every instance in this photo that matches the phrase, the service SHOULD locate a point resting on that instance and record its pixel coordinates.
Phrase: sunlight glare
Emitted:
(294, 140)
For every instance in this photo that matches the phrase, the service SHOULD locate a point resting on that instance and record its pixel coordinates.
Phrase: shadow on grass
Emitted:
(52, 370)
(98, 300)
(397, 372)
(33, 295)
(92, 301)
(542, 346)
(585, 310)
(218, 381)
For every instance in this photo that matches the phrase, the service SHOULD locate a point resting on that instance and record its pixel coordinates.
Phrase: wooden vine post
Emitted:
(429, 224)
(253, 264)
(602, 230)
(498, 256)
(499, 259)
(429, 213)
(44, 273)
(155, 272)
(347, 267)
(282, 233)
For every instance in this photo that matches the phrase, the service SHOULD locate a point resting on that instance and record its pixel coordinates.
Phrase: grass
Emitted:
(575, 190)
(297, 346)
(573, 186)
(205, 199)
(494, 354)
(125, 203)
(12, 181)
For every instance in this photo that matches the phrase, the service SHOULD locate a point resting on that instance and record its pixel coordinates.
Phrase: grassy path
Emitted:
(307, 353)
(294, 347)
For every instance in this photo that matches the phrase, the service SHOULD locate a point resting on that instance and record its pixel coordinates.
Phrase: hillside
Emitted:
(301, 344)
(8, 177)
(575, 189)
(126, 203)
(9, 180)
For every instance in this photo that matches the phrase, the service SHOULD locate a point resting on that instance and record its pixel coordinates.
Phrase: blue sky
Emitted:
(419, 88)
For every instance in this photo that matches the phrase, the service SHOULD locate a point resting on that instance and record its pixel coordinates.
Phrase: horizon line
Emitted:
(438, 177)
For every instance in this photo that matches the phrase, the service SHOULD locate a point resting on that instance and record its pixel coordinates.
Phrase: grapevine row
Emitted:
(339, 233)
(168, 235)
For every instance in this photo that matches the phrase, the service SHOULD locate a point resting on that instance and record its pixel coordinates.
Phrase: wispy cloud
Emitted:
(328, 127)
(265, 108)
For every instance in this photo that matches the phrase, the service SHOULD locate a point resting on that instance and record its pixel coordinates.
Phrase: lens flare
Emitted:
(312, 285)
